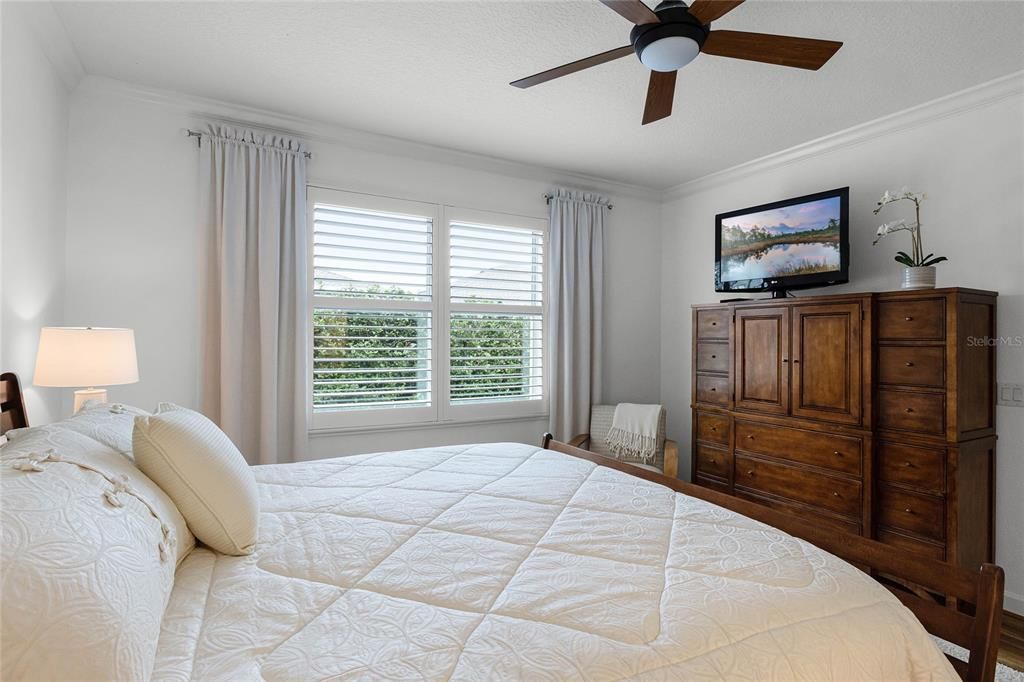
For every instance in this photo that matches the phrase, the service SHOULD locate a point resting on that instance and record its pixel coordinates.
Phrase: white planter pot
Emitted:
(918, 278)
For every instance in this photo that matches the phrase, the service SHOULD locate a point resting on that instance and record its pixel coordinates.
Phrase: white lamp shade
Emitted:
(86, 356)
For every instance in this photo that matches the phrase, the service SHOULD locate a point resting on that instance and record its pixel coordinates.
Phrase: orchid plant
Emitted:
(915, 259)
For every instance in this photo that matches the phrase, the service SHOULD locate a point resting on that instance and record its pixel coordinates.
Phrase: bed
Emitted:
(493, 561)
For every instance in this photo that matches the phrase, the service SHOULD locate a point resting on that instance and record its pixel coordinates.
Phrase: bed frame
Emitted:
(12, 404)
(972, 617)
(972, 620)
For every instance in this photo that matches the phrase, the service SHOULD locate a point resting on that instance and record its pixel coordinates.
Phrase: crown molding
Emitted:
(959, 102)
(45, 24)
(202, 108)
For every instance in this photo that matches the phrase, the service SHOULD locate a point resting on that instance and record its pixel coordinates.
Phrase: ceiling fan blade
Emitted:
(707, 11)
(633, 10)
(803, 53)
(660, 93)
(573, 67)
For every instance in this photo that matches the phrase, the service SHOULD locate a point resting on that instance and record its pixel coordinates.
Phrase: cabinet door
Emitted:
(826, 362)
(762, 359)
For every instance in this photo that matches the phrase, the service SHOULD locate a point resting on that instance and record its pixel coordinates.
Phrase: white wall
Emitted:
(134, 249)
(969, 160)
(34, 139)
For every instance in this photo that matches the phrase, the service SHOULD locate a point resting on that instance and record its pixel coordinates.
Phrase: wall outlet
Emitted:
(1011, 395)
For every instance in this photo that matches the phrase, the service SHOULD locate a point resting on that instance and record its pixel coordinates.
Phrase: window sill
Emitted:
(327, 431)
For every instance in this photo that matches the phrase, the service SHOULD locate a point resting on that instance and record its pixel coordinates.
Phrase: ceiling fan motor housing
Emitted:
(676, 22)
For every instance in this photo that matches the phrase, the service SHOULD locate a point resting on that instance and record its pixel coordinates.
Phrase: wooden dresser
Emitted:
(874, 413)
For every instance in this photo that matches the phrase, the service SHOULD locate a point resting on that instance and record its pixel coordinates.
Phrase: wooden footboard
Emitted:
(979, 592)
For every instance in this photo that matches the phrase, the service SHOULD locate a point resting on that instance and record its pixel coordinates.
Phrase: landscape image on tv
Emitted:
(802, 239)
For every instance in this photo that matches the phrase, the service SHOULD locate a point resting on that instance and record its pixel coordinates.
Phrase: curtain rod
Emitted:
(199, 134)
(549, 197)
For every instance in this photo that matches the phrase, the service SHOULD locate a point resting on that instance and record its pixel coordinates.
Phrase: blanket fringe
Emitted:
(626, 444)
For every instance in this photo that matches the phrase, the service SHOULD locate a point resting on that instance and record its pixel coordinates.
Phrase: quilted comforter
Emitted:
(505, 561)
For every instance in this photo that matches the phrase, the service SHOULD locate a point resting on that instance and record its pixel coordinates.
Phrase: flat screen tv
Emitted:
(791, 244)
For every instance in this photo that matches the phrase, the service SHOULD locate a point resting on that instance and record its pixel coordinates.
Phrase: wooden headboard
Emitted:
(12, 404)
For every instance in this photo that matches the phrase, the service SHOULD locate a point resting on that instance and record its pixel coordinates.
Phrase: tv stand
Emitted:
(775, 295)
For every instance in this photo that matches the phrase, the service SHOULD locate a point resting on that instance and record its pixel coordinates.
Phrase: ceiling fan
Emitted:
(671, 36)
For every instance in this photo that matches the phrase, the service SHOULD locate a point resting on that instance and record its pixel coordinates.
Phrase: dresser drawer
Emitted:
(712, 357)
(713, 428)
(713, 390)
(713, 323)
(829, 451)
(905, 510)
(912, 319)
(712, 461)
(847, 525)
(906, 411)
(922, 468)
(912, 365)
(929, 549)
(795, 483)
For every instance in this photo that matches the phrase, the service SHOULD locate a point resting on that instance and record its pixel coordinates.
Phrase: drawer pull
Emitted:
(713, 357)
(785, 359)
(908, 410)
(837, 453)
(713, 389)
(835, 494)
(750, 472)
(908, 364)
(908, 464)
(714, 428)
(715, 324)
(908, 318)
(796, 360)
(750, 436)
(713, 461)
(909, 510)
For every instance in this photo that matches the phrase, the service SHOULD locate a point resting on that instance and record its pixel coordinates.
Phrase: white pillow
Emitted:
(199, 467)
(88, 556)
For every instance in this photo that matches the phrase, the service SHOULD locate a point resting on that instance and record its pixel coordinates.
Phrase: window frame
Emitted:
(440, 307)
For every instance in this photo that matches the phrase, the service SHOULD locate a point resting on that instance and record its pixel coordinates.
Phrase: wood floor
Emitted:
(1011, 647)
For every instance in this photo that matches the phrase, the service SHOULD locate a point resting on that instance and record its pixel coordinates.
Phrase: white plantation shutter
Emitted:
(364, 254)
(370, 358)
(373, 307)
(496, 276)
(400, 337)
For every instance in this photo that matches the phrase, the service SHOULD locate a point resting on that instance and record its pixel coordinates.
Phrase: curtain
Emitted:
(576, 278)
(254, 360)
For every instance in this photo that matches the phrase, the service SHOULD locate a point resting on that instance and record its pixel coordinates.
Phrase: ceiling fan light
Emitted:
(670, 53)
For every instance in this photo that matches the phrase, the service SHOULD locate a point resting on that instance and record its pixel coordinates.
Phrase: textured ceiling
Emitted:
(438, 72)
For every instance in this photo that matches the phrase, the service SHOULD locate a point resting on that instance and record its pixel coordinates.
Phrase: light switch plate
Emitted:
(1011, 395)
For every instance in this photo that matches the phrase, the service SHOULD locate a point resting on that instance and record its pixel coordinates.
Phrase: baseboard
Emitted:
(1014, 603)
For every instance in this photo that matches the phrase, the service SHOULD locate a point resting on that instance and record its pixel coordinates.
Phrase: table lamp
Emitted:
(86, 356)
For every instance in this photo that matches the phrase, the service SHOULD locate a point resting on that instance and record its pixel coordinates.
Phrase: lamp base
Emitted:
(85, 394)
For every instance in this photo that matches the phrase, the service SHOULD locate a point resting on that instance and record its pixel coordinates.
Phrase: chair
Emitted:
(665, 461)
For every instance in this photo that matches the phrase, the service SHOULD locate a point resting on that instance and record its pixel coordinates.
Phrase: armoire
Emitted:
(871, 412)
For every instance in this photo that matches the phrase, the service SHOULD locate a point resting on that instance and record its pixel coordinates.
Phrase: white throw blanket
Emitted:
(634, 432)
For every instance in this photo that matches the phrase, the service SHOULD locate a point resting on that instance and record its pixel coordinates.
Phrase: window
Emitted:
(381, 300)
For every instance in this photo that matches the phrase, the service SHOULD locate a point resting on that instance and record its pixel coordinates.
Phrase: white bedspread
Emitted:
(504, 561)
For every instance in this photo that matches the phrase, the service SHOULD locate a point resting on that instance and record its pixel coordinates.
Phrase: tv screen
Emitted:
(790, 244)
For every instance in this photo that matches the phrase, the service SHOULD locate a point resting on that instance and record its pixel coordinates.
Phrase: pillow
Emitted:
(109, 424)
(88, 554)
(199, 467)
